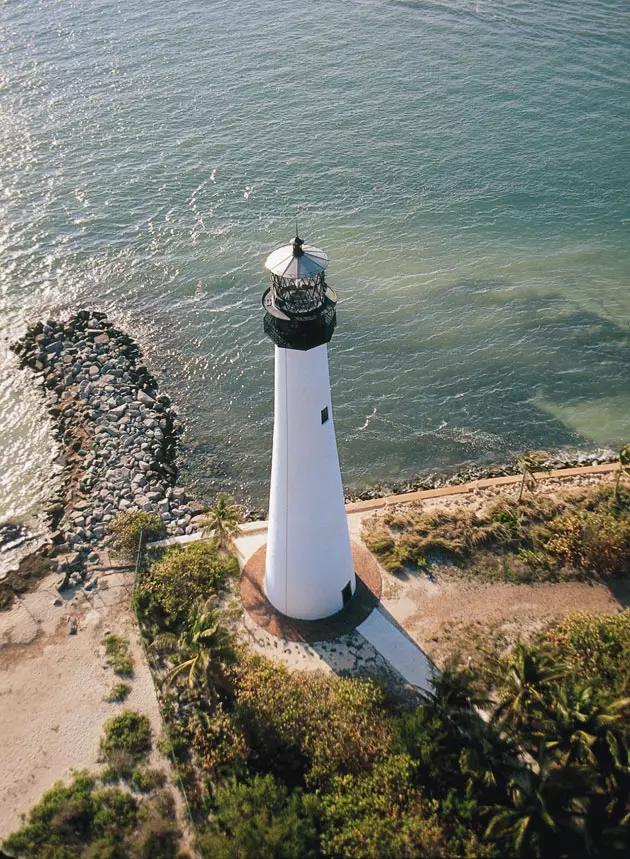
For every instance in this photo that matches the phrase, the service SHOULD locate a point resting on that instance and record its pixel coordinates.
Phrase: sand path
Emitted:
(53, 687)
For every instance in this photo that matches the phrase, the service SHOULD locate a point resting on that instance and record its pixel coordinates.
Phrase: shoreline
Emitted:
(118, 441)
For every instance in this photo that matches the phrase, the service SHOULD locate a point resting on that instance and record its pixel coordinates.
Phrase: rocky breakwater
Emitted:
(118, 435)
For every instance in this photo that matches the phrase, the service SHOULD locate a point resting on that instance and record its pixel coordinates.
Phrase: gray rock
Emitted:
(145, 399)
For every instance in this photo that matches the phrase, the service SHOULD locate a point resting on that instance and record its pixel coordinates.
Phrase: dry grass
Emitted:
(577, 533)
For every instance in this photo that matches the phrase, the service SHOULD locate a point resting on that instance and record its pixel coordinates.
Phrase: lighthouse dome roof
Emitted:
(297, 261)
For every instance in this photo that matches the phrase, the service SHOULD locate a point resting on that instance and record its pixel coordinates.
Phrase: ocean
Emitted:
(465, 164)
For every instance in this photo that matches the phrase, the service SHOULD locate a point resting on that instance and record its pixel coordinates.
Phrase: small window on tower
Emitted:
(324, 415)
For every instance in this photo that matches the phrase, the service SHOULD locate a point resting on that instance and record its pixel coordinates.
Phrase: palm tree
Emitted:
(546, 811)
(524, 680)
(593, 734)
(624, 466)
(223, 520)
(529, 463)
(587, 731)
(456, 694)
(205, 646)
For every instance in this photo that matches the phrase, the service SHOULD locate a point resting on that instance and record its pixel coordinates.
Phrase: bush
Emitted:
(67, 819)
(381, 813)
(118, 656)
(119, 693)
(219, 748)
(129, 733)
(306, 727)
(597, 648)
(158, 834)
(180, 577)
(594, 541)
(147, 780)
(261, 820)
(129, 529)
(88, 821)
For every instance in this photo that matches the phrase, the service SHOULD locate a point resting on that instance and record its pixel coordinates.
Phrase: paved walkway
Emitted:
(401, 651)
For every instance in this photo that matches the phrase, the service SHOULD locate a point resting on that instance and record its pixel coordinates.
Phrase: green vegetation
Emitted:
(118, 656)
(92, 821)
(624, 466)
(279, 763)
(223, 521)
(167, 591)
(295, 763)
(132, 530)
(583, 534)
(120, 692)
(204, 646)
(260, 819)
(129, 733)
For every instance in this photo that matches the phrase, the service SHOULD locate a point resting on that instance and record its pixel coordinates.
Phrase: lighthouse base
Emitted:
(366, 597)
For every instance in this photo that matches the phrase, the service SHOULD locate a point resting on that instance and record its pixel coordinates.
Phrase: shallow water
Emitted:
(464, 164)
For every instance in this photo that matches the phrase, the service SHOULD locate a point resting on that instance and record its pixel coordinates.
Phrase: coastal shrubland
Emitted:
(525, 754)
(167, 590)
(294, 763)
(123, 813)
(578, 534)
(90, 820)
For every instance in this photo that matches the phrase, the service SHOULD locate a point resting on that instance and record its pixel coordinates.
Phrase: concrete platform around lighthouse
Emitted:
(364, 601)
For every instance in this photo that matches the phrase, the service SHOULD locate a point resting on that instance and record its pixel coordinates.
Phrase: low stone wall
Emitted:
(117, 434)
(554, 460)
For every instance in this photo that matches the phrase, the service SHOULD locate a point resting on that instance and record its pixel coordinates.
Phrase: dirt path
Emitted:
(446, 611)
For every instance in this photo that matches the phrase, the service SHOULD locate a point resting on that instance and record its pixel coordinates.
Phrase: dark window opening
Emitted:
(346, 594)
(324, 415)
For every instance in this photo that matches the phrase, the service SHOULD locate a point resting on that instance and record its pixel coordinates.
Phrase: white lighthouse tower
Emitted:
(309, 572)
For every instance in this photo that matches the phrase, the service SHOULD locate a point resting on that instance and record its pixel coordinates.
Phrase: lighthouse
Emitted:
(309, 571)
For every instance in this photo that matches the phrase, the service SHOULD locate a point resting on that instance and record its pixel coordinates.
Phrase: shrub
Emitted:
(596, 541)
(158, 834)
(79, 820)
(147, 780)
(219, 748)
(262, 820)
(119, 693)
(381, 813)
(597, 648)
(129, 529)
(59, 824)
(118, 656)
(130, 733)
(306, 727)
(180, 577)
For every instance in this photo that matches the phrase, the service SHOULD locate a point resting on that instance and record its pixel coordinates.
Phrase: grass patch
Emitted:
(133, 530)
(128, 733)
(119, 693)
(118, 656)
(577, 534)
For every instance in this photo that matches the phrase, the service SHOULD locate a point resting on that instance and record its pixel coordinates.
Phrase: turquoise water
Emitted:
(464, 164)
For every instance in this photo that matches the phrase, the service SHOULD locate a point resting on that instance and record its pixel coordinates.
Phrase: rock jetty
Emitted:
(117, 433)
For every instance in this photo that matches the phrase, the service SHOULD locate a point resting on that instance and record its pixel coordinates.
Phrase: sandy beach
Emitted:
(53, 686)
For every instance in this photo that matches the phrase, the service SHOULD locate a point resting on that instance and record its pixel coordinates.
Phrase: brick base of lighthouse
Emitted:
(364, 601)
